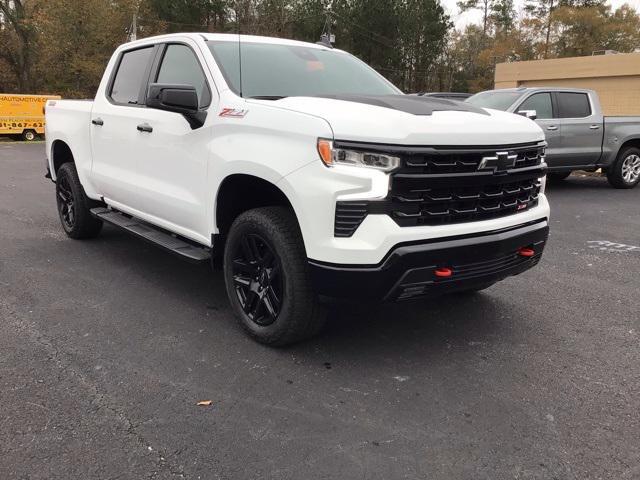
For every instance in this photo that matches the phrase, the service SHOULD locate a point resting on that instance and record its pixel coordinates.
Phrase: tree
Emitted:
(483, 5)
(76, 41)
(583, 30)
(502, 16)
(188, 15)
(18, 37)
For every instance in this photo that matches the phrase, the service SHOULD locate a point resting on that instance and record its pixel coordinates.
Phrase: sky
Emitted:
(475, 16)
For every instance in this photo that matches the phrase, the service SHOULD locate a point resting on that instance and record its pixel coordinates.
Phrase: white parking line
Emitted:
(608, 246)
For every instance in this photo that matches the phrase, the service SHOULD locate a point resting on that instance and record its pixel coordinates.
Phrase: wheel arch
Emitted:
(239, 192)
(629, 142)
(60, 154)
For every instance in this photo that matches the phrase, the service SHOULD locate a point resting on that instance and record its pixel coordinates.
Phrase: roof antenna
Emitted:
(327, 39)
(239, 51)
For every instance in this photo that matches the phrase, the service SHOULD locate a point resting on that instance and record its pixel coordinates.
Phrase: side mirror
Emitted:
(530, 114)
(177, 98)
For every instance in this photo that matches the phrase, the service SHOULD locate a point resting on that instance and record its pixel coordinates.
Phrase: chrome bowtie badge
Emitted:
(501, 161)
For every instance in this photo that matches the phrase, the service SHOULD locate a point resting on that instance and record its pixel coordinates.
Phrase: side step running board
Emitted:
(155, 235)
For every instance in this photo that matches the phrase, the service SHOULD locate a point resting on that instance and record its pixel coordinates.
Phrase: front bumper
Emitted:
(408, 270)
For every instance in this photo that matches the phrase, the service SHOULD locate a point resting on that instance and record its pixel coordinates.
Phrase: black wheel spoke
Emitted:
(241, 281)
(274, 272)
(268, 258)
(269, 306)
(252, 305)
(257, 279)
(240, 266)
(273, 298)
(250, 249)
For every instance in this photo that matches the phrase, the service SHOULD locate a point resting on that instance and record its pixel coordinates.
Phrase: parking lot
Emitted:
(107, 345)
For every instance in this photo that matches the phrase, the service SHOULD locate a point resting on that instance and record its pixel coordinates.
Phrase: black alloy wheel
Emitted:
(74, 207)
(267, 277)
(66, 204)
(258, 279)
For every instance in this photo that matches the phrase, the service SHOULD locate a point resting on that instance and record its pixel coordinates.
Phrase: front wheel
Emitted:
(267, 278)
(625, 172)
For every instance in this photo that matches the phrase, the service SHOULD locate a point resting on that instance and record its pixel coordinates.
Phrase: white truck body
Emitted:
(171, 176)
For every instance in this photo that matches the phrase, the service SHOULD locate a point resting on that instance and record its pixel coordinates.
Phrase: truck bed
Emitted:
(616, 130)
(70, 121)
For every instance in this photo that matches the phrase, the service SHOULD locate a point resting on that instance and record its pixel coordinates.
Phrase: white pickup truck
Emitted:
(302, 172)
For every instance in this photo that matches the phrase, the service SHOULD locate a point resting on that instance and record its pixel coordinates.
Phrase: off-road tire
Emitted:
(615, 172)
(300, 315)
(83, 224)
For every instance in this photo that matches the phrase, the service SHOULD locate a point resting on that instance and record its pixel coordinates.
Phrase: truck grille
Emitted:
(444, 186)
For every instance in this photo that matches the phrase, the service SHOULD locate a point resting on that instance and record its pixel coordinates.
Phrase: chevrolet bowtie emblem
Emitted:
(502, 161)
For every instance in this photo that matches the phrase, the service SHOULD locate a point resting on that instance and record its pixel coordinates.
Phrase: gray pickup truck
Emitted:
(579, 137)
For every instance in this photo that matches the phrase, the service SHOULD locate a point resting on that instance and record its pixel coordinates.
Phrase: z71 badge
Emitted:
(233, 112)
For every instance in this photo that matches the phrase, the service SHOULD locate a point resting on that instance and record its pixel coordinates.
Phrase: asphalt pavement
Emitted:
(107, 345)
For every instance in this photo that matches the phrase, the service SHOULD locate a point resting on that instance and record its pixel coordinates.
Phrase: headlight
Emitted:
(332, 156)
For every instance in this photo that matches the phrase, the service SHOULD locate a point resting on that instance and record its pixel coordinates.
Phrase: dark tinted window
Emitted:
(276, 70)
(180, 66)
(130, 76)
(541, 103)
(573, 105)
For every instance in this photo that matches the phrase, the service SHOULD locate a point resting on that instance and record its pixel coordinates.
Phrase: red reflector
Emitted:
(526, 252)
(443, 272)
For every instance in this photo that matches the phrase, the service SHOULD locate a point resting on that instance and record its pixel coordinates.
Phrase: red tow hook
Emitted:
(443, 272)
(526, 252)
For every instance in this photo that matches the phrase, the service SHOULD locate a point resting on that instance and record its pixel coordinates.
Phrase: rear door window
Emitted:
(130, 76)
(573, 105)
(541, 103)
(180, 66)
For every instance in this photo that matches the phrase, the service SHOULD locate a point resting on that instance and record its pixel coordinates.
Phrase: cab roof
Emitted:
(231, 37)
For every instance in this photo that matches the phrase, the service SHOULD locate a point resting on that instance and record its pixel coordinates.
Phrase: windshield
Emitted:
(494, 99)
(275, 70)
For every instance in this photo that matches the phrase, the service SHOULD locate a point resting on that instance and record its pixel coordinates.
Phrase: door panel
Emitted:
(172, 164)
(113, 131)
(581, 129)
(173, 158)
(114, 161)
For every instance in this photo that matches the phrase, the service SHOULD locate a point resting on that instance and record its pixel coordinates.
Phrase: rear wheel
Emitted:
(267, 278)
(73, 205)
(28, 135)
(625, 172)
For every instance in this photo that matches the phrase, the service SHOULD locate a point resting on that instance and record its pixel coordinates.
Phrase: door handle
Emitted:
(97, 121)
(145, 127)
(552, 127)
(594, 127)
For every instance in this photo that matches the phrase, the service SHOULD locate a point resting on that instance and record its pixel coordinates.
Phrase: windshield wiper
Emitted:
(268, 97)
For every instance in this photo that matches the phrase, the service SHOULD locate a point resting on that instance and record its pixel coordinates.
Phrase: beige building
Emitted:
(616, 78)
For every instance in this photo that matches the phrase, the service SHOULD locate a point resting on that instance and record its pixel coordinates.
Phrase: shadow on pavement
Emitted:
(434, 324)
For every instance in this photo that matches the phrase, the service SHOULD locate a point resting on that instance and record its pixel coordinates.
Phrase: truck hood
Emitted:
(407, 122)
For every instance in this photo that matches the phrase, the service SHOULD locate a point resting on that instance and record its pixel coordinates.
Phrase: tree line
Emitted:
(62, 46)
